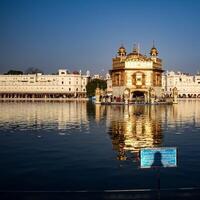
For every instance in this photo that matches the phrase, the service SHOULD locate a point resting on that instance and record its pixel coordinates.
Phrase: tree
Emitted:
(32, 70)
(92, 85)
(14, 72)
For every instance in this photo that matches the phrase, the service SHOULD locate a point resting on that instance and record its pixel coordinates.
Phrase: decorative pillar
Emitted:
(175, 95)
(126, 96)
(152, 95)
(146, 97)
(102, 95)
(97, 95)
(109, 99)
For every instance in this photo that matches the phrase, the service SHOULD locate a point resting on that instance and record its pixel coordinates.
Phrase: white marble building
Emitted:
(188, 85)
(61, 85)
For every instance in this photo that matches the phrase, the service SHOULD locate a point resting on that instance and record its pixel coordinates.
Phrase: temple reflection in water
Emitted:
(137, 126)
(129, 127)
(132, 127)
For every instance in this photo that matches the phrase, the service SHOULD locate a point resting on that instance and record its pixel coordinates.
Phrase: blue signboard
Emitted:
(158, 157)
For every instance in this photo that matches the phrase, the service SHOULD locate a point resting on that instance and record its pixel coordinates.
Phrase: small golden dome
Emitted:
(121, 51)
(154, 51)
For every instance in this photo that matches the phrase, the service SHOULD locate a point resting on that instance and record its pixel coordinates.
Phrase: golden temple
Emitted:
(136, 76)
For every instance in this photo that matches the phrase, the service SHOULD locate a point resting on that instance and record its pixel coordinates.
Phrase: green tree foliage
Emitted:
(13, 72)
(92, 85)
(32, 70)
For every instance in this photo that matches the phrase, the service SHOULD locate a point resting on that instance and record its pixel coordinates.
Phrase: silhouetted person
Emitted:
(157, 160)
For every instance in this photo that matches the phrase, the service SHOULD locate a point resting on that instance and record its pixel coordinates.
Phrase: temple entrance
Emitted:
(138, 96)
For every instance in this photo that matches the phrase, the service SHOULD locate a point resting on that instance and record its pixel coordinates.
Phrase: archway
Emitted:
(138, 96)
(184, 96)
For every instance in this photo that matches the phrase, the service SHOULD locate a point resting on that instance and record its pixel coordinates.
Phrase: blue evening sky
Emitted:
(85, 34)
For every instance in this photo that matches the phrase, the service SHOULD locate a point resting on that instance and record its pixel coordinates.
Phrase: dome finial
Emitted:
(135, 49)
(122, 44)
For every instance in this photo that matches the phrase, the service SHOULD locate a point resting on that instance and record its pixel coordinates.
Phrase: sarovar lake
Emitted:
(49, 146)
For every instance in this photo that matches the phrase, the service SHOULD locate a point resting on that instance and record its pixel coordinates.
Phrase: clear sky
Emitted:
(85, 34)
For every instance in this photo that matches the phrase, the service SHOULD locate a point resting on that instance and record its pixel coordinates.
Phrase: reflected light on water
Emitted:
(27, 115)
(79, 145)
(134, 127)
(141, 127)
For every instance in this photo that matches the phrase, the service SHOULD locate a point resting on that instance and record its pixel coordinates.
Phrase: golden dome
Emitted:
(135, 54)
(121, 51)
(154, 51)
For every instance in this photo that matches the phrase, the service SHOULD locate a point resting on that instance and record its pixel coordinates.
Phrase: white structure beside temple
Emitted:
(187, 85)
(109, 84)
(63, 84)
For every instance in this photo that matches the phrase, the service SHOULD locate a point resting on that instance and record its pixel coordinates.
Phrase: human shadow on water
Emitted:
(157, 160)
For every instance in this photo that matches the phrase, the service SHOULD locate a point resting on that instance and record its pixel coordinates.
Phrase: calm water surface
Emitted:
(82, 146)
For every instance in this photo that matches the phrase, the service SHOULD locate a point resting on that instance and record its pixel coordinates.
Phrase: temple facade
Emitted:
(136, 76)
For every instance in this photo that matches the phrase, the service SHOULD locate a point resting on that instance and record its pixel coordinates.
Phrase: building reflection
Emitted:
(46, 115)
(185, 112)
(132, 127)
